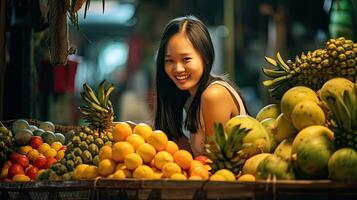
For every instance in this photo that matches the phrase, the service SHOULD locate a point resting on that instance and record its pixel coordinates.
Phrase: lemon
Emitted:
(132, 161)
(106, 167)
(143, 171)
(146, 151)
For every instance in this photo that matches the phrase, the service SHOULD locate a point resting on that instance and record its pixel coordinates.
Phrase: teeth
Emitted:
(182, 77)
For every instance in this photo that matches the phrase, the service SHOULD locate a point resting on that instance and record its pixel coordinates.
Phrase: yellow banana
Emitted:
(107, 93)
(282, 63)
(273, 73)
(101, 94)
(271, 61)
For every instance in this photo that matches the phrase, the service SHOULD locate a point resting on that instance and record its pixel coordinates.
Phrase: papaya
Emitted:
(272, 166)
(268, 111)
(342, 165)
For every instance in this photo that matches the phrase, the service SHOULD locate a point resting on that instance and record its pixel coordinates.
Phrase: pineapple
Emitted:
(337, 59)
(84, 146)
(225, 152)
(6, 144)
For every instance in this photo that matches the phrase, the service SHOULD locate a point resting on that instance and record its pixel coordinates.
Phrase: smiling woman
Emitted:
(184, 82)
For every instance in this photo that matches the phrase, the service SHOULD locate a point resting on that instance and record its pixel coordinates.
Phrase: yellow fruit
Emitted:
(146, 151)
(106, 167)
(33, 154)
(120, 166)
(307, 113)
(169, 169)
(91, 172)
(43, 148)
(60, 154)
(143, 130)
(195, 163)
(119, 174)
(135, 140)
(200, 171)
(105, 152)
(228, 175)
(183, 158)
(162, 158)
(283, 150)
(268, 111)
(178, 176)
(171, 147)
(79, 171)
(56, 145)
(217, 177)
(294, 96)
(246, 177)
(120, 150)
(157, 173)
(21, 177)
(158, 139)
(25, 149)
(195, 177)
(50, 153)
(284, 129)
(132, 161)
(250, 166)
(144, 172)
(121, 131)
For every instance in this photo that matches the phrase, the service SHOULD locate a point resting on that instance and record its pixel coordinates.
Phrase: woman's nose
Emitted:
(179, 67)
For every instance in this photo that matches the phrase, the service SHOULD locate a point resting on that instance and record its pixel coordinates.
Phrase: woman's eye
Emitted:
(187, 59)
(168, 60)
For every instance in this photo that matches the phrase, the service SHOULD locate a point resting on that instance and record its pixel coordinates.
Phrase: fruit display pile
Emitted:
(311, 133)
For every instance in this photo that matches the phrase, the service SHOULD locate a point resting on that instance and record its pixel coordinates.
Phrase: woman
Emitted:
(183, 65)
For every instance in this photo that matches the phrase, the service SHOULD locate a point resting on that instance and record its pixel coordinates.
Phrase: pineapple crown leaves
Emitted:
(230, 145)
(344, 109)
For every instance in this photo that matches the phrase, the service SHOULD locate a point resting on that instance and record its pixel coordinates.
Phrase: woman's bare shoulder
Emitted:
(215, 92)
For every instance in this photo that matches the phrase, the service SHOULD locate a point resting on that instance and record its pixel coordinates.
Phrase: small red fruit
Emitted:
(36, 141)
(15, 169)
(40, 162)
(23, 161)
(14, 157)
(50, 162)
(32, 172)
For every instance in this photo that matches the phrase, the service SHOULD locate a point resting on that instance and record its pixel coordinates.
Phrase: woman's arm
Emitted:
(217, 105)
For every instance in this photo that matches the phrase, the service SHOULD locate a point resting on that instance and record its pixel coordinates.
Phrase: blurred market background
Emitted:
(119, 45)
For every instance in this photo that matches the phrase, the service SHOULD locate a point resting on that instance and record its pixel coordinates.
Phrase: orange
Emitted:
(106, 167)
(178, 176)
(169, 169)
(162, 158)
(158, 139)
(121, 131)
(120, 150)
(121, 166)
(25, 149)
(33, 154)
(79, 171)
(105, 152)
(183, 158)
(56, 145)
(119, 174)
(147, 152)
(143, 130)
(157, 173)
(200, 171)
(195, 163)
(91, 172)
(246, 177)
(143, 171)
(60, 154)
(43, 148)
(50, 153)
(135, 140)
(171, 147)
(21, 177)
(195, 177)
(132, 161)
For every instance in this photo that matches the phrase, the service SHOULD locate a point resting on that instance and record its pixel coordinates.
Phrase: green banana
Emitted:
(90, 93)
(107, 93)
(276, 81)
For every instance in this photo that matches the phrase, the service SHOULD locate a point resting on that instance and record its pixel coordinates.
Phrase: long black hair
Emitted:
(170, 100)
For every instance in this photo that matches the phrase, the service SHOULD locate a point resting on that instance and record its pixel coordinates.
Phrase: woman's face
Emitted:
(183, 64)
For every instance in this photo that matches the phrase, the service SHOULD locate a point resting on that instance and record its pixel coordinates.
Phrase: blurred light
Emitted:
(113, 57)
(114, 12)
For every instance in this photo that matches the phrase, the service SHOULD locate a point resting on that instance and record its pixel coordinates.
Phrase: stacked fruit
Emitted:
(337, 59)
(309, 128)
(31, 159)
(6, 144)
(83, 146)
(145, 154)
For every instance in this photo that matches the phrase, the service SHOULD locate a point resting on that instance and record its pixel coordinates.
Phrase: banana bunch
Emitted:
(224, 151)
(337, 59)
(6, 144)
(97, 107)
(343, 121)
